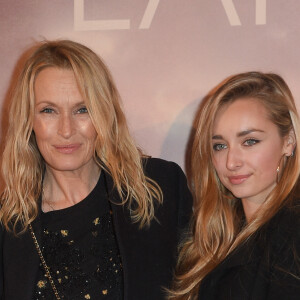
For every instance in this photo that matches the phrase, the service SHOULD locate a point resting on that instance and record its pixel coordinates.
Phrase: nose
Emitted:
(234, 159)
(66, 126)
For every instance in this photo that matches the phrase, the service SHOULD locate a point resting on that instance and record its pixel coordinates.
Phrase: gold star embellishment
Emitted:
(96, 221)
(41, 284)
(64, 233)
(104, 292)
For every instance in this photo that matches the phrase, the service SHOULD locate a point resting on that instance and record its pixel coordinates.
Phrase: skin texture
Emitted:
(247, 150)
(65, 137)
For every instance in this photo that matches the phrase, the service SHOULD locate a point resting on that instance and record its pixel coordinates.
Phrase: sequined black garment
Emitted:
(80, 248)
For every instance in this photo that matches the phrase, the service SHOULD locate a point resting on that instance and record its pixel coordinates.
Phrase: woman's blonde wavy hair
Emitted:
(218, 215)
(115, 151)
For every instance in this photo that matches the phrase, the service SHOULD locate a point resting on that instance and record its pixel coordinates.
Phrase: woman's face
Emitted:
(63, 129)
(247, 149)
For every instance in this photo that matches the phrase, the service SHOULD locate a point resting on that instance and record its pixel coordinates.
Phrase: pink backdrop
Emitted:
(165, 55)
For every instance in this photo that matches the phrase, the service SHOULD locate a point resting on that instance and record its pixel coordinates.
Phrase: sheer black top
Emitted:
(80, 248)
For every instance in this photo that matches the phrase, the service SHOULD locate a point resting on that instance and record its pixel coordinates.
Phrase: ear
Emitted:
(289, 143)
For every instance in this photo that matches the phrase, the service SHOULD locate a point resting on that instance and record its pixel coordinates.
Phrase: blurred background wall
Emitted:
(165, 55)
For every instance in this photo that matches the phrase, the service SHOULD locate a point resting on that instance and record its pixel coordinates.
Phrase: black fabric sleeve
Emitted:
(1, 262)
(169, 175)
(285, 273)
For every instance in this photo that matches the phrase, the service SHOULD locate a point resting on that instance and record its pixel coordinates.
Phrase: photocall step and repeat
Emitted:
(165, 55)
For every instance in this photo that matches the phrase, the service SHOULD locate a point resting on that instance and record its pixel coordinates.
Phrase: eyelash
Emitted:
(47, 110)
(219, 147)
(248, 143)
(82, 112)
(251, 142)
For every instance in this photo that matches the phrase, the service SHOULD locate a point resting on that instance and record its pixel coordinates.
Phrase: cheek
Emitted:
(220, 170)
(88, 131)
(268, 159)
(42, 130)
(266, 166)
(219, 163)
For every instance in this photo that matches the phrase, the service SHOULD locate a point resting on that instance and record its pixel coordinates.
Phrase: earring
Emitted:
(278, 170)
(277, 174)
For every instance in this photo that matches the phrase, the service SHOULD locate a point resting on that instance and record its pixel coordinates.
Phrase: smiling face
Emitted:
(63, 129)
(247, 149)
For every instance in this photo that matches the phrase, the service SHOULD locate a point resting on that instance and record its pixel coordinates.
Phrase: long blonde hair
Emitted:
(218, 215)
(115, 151)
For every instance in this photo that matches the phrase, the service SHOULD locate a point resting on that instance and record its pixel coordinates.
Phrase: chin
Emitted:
(67, 167)
(240, 194)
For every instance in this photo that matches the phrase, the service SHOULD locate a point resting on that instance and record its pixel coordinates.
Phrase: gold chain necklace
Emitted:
(46, 268)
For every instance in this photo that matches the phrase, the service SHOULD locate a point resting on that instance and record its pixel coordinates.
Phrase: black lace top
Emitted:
(80, 248)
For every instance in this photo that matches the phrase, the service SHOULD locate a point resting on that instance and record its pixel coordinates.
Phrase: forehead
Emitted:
(53, 75)
(242, 114)
(56, 84)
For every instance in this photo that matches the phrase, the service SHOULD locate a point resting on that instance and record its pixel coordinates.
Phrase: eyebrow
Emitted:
(49, 102)
(239, 134)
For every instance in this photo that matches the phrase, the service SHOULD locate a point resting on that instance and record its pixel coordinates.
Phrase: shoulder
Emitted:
(284, 227)
(1, 261)
(285, 251)
(177, 199)
(167, 174)
(290, 224)
(160, 169)
(283, 234)
(288, 220)
(157, 163)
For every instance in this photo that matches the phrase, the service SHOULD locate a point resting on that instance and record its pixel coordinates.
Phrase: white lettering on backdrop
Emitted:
(120, 24)
(81, 25)
(234, 19)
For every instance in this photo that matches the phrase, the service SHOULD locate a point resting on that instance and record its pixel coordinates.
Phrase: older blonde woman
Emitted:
(245, 242)
(85, 215)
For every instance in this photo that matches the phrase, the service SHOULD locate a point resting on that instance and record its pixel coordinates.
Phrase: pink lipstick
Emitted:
(67, 149)
(238, 179)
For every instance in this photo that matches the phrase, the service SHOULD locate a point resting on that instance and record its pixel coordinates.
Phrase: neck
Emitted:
(252, 204)
(250, 208)
(62, 189)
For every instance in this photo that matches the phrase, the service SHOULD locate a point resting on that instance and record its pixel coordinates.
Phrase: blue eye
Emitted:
(47, 110)
(82, 110)
(219, 147)
(251, 142)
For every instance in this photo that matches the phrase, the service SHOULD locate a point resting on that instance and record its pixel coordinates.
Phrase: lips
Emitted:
(67, 149)
(238, 179)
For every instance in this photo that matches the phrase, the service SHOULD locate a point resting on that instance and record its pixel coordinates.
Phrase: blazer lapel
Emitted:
(121, 221)
(20, 264)
(148, 254)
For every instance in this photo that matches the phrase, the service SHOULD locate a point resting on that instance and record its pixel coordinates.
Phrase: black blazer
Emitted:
(148, 254)
(267, 267)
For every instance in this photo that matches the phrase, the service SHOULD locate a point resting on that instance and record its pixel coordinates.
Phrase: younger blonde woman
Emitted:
(245, 159)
